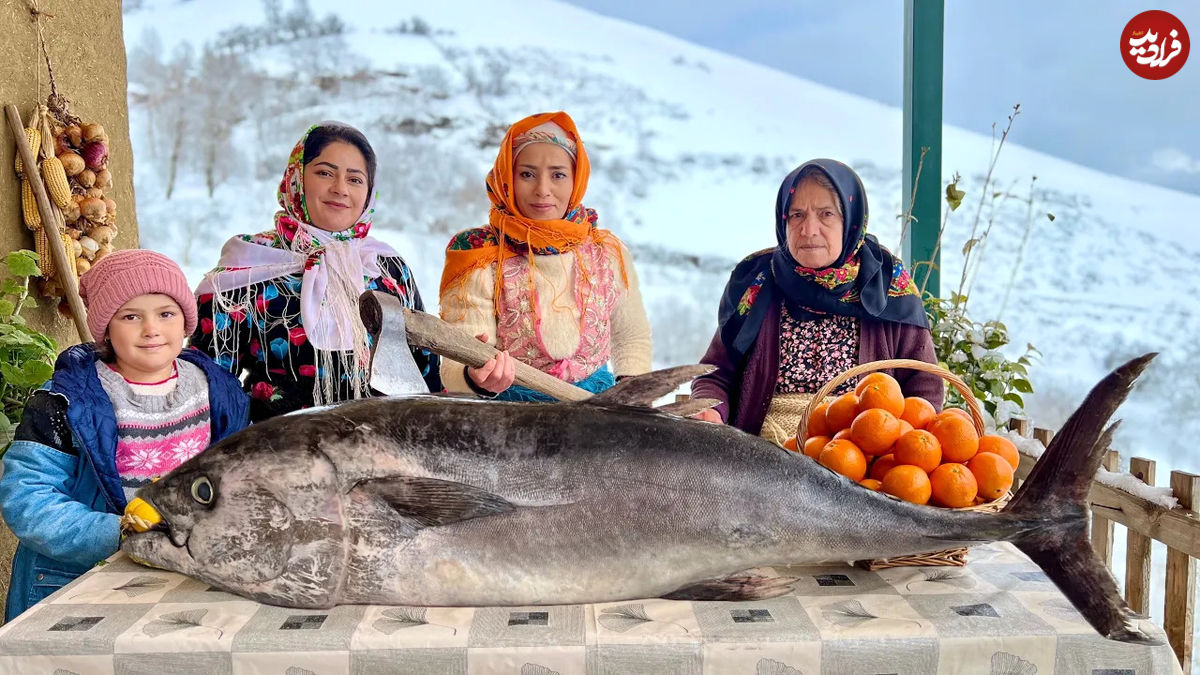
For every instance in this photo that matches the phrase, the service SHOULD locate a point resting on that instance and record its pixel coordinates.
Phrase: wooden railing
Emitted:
(1178, 529)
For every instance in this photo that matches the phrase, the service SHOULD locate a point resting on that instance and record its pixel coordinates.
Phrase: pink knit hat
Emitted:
(124, 275)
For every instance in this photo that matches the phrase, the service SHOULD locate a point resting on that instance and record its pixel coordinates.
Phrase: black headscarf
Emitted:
(866, 281)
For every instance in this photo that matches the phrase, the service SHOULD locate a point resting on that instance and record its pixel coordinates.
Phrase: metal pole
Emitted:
(923, 31)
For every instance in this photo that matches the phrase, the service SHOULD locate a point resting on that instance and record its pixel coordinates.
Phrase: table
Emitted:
(999, 614)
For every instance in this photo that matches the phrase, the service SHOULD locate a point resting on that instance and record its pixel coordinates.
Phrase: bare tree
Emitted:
(176, 108)
(221, 83)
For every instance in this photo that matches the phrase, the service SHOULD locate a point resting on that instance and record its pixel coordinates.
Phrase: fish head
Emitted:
(251, 516)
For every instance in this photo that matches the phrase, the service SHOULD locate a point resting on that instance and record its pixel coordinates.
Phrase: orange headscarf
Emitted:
(513, 231)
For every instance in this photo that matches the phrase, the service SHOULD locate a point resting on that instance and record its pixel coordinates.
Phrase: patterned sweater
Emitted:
(271, 346)
(159, 425)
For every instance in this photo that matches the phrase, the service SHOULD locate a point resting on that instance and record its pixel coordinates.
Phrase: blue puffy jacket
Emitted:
(60, 492)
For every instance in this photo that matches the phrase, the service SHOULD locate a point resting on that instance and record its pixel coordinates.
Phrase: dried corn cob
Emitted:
(67, 243)
(56, 181)
(34, 137)
(33, 219)
(41, 244)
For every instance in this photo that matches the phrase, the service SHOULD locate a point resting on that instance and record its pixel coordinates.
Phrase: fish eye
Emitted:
(202, 490)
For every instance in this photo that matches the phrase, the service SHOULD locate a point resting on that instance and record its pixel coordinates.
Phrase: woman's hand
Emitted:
(497, 374)
(708, 415)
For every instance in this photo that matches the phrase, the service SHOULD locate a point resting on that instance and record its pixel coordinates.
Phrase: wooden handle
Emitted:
(52, 219)
(430, 332)
(911, 364)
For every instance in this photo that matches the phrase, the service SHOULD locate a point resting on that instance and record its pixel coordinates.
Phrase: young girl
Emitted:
(540, 280)
(117, 414)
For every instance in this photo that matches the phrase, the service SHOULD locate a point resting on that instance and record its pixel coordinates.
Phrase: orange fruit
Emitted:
(817, 426)
(813, 445)
(874, 431)
(956, 411)
(791, 444)
(884, 394)
(1001, 446)
(918, 412)
(919, 448)
(909, 483)
(881, 466)
(953, 486)
(993, 473)
(905, 427)
(957, 437)
(870, 484)
(844, 434)
(870, 379)
(845, 458)
(841, 412)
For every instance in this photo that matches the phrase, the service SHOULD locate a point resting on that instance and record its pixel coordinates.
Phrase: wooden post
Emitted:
(51, 218)
(1137, 549)
(1043, 435)
(1102, 528)
(1178, 619)
(1021, 426)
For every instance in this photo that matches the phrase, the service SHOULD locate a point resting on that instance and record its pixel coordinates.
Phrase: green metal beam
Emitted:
(923, 30)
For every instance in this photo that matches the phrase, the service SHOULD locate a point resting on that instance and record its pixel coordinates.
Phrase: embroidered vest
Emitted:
(595, 295)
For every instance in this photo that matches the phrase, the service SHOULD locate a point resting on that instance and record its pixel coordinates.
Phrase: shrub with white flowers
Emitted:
(972, 350)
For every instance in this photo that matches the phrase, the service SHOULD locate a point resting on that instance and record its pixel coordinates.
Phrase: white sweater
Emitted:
(554, 280)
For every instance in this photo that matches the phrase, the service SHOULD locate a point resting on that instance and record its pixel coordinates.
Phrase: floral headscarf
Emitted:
(336, 266)
(509, 230)
(865, 281)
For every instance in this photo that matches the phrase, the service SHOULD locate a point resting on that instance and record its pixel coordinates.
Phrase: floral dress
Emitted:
(271, 346)
(811, 353)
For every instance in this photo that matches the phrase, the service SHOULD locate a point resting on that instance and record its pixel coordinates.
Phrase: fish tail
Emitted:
(1052, 503)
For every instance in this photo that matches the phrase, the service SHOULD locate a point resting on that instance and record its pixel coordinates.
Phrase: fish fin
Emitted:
(433, 502)
(689, 407)
(644, 390)
(737, 587)
(1052, 503)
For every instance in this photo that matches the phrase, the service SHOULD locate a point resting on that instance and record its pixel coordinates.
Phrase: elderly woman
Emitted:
(540, 281)
(281, 306)
(826, 298)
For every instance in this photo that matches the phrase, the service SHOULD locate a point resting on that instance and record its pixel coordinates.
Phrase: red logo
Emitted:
(1155, 44)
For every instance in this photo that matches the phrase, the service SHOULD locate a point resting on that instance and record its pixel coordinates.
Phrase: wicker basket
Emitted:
(955, 557)
(784, 411)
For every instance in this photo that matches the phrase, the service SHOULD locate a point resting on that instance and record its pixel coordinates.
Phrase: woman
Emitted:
(282, 305)
(540, 281)
(826, 298)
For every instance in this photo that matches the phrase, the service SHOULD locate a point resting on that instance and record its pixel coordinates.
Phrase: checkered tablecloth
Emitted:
(998, 615)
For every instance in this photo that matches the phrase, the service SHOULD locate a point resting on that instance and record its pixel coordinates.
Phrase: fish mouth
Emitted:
(143, 517)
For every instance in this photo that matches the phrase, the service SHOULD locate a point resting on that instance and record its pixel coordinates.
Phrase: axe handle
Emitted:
(430, 332)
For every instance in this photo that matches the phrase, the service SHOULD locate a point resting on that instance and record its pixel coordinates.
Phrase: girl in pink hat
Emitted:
(116, 415)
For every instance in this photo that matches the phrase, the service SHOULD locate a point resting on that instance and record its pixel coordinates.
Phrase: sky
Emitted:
(1060, 60)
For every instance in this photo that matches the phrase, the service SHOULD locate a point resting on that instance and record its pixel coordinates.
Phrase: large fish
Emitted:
(437, 501)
